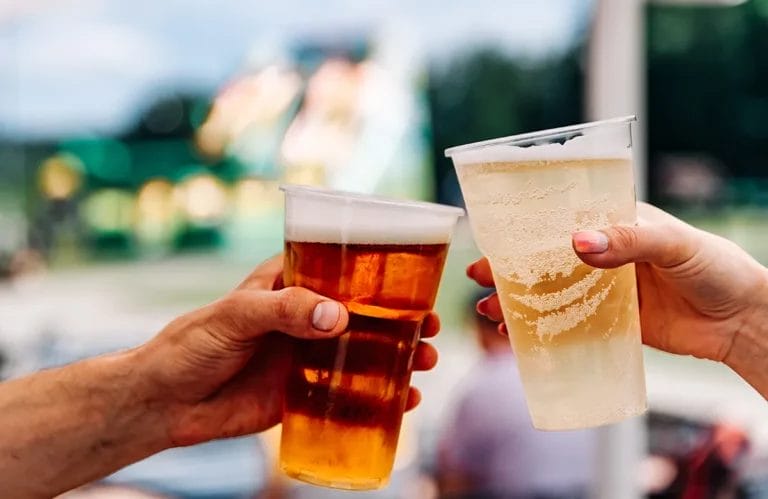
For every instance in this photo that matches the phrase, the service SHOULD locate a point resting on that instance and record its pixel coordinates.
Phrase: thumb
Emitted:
(664, 246)
(295, 311)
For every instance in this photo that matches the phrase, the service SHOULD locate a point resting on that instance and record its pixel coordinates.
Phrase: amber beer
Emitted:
(346, 396)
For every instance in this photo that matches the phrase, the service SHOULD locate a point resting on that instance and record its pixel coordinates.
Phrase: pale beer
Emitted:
(574, 329)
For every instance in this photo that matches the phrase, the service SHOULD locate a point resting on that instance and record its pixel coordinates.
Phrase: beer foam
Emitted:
(363, 234)
(325, 217)
(548, 302)
(600, 143)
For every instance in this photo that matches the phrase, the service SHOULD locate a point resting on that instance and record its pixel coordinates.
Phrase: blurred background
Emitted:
(142, 143)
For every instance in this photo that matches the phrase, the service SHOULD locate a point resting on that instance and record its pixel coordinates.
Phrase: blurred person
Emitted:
(216, 372)
(489, 448)
(26, 262)
(699, 293)
(712, 470)
(695, 461)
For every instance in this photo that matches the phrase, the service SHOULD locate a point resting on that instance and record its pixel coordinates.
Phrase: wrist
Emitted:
(75, 424)
(749, 348)
(139, 408)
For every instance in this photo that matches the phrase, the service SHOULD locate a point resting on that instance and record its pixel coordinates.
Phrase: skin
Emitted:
(216, 372)
(699, 293)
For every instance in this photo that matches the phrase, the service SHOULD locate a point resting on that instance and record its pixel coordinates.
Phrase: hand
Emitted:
(697, 291)
(220, 371)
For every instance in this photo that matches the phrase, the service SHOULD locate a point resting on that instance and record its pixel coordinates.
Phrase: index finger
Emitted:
(480, 272)
(265, 275)
(431, 325)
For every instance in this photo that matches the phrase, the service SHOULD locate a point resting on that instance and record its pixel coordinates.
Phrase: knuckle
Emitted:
(229, 306)
(623, 238)
(227, 315)
(288, 305)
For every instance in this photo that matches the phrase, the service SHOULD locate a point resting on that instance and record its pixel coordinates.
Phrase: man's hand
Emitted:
(216, 372)
(220, 371)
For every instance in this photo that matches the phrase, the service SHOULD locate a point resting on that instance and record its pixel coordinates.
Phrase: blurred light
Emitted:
(253, 100)
(155, 201)
(306, 174)
(253, 197)
(108, 211)
(334, 88)
(202, 197)
(324, 134)
(60, 176)
(156, 215)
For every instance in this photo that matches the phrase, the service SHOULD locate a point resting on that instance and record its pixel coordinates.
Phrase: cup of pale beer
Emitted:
(345, 396)
(575, 329)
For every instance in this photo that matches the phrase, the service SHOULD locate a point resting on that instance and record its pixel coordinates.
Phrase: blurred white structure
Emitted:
(616, 78)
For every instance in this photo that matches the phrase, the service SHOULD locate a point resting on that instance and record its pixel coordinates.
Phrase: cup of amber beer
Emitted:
(345, 396)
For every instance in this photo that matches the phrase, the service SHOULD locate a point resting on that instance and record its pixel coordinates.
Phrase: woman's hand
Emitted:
(699, 293)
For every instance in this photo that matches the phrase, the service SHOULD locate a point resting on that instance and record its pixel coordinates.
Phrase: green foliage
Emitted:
(708, 86)
(487, 94)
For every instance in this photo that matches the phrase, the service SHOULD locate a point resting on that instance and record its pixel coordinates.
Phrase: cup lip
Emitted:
(511, 140)
(370, 199)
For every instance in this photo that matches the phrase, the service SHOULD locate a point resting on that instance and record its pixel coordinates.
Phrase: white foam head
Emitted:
(608, 139)
(318, 215)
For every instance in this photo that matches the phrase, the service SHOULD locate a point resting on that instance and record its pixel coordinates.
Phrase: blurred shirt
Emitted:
(490, 444)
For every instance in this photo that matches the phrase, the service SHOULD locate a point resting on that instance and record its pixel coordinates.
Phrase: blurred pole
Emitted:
(616, 87)
(616, 73)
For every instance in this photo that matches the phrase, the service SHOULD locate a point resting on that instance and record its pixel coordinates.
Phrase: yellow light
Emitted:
(307, 174)
(60, 176)
(254, 100)
(203, 198)
(108, 210)
(253, 197)
(155, 201)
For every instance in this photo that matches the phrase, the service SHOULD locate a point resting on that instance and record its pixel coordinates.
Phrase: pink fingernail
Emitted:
(482, 306)
(471, 270)
(326, 315)
(503, 329)
(590, 241)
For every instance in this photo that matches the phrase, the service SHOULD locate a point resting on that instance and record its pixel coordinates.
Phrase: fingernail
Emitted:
(326, 315)
(470, 270)
(590, 241)
(482, 306)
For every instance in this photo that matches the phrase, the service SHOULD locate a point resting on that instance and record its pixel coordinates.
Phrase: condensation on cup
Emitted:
(574, 329)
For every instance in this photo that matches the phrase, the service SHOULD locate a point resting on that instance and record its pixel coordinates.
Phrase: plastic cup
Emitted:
(345, 396)
(575, 329)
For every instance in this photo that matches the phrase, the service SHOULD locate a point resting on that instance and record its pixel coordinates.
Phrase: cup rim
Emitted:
(320, 192)
(512, 140)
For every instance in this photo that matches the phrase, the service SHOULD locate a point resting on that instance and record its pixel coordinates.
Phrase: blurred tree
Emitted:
(487, 94)
(708, 94)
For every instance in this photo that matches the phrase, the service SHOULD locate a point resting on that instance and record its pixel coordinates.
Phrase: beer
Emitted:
(345, 396)
(575, 329)
(559, 335)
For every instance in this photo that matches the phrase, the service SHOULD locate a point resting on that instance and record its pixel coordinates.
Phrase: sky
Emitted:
(74, 66)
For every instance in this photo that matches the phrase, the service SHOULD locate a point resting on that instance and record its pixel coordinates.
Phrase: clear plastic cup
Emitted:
(575, 330)
(345, 396)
